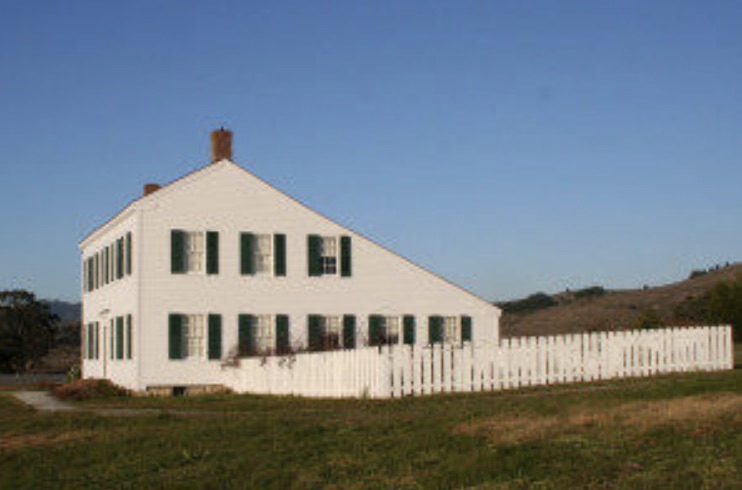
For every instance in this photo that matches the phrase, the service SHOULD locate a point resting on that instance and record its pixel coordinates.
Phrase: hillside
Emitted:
(615, 309)
(67, 312)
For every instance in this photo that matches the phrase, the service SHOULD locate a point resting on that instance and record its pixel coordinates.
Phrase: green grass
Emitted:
(667, 432)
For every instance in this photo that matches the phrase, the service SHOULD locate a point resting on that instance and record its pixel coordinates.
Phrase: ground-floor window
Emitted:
(263, 334)
(331, 332)
(449, 329)
(92, 333)
(189, 337)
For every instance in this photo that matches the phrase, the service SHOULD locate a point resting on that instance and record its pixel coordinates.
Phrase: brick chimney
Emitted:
(221, 145)
(150, 188)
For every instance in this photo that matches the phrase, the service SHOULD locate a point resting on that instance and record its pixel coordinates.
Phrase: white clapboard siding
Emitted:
(394, 372)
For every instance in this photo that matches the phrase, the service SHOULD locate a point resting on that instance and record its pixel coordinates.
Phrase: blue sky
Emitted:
(510, 146)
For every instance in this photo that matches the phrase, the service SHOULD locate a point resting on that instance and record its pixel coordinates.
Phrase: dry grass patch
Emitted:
(637, 416)
(23, 441)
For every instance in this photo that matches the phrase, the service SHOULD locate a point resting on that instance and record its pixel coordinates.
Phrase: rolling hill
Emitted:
(595, 309)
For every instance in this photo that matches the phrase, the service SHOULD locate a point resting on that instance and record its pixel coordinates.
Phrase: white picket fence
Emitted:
(527, 361)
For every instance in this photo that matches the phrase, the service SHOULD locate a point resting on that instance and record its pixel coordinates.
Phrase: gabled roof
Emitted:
(176, 184)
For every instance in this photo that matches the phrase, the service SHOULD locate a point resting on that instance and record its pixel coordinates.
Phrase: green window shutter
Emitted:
(314, 325)
(345, 256)
(215, 336)
(349, 331)
(282, 334)
(466, 329)
(246, 335)
(314, 242)
(279, 254)
(88, 341)
(96, 271)
(374, 330)
(105, 266)
(119, 258)
(408, 323)
(128, 336)
(246, 245)
(212, 252)
(176, 336)
(435, 329)
(128, 254)
(96, 349)
(90, 273)
(119, 337)
(177, 252)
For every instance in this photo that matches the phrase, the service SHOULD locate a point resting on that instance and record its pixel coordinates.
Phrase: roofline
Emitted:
(164, 188)
(370, 240)
(169, 187)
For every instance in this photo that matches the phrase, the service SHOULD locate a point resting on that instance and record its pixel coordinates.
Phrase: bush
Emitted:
(721, 305)
(649, 320)
(591, 292)
(86, 389)
(697, 273)
(532, 303)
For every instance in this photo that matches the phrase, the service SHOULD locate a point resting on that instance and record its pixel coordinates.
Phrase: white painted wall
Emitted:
(117, 298)
(223, 197)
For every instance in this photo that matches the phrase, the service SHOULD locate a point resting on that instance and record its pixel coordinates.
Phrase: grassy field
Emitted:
(669, 432)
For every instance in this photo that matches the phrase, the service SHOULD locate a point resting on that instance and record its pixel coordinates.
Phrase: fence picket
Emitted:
(383, 372)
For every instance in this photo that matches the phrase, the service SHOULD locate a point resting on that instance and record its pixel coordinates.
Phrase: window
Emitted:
(383, 330)
(264, 339)
(193, 336)
(188, 336)
(329, 255)
(128, 336)
(263, 334)
(194, 251)
(331, 332)
(119, 337)
(262, 255)
(449, 329)
(91, 340)
(330, 326)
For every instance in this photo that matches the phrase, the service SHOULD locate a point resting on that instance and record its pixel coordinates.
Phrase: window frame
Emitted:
(193, 336)
(255, 253)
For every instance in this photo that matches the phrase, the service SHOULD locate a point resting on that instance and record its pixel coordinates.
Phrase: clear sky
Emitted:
(509, 146)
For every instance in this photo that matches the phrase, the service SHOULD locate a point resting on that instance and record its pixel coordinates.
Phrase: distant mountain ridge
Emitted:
(599, 309)
(67, 312)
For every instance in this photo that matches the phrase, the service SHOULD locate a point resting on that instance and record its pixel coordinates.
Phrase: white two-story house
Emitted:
(219, 264)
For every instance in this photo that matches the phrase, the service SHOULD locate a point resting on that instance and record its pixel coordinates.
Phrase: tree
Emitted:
(721, 305)
(725, 305)
(26, 330)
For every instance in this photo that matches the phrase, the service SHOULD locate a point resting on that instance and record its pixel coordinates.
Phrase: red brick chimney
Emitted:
(221, 145)
(150, 188)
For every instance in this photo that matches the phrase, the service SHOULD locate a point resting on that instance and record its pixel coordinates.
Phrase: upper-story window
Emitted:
(262, 254)
(194, 252)
(109, 264)
(329, 255)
